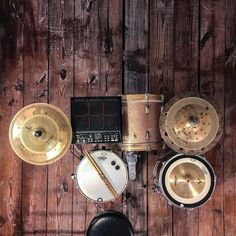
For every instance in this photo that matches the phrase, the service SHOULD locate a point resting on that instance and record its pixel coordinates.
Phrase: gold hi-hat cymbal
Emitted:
(190, 124)
(40, 134)
(187, 180)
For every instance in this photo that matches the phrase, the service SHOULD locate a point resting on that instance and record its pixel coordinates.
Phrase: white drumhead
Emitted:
(92, 186)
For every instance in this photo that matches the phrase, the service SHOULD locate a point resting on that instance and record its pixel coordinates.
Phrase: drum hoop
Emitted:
(125, 186)
(170, 198)
(142, 97)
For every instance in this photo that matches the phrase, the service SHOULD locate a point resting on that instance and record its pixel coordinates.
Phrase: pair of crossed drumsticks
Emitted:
(100, 173)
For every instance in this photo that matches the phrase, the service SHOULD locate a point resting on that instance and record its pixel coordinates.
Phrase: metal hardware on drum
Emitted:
(40, 134)
(101, 175)
(90, 183)
(185, 181)
(140, 122)
(131, 159)
(190, 124)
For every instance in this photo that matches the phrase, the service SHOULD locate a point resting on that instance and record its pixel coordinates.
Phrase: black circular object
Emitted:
(38, 133)
(117, 167)
(113, 163)
(110, 223)
(193, 205)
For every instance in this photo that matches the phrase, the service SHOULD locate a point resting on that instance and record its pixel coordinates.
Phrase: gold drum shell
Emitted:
(141, 122)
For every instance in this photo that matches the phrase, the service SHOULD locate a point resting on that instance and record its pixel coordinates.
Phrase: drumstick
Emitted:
(100, 173)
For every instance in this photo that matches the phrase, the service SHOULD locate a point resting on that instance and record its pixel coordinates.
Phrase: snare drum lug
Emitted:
(73, 176)
(147, 108)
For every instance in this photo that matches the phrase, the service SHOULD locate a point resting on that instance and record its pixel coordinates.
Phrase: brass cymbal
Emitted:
(190, 124)
(187, 180)
(40, 133)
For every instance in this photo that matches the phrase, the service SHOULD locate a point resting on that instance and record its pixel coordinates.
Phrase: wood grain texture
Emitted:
(61, 38)
(11, 100)
(52, 50)
(186, 79)
(136, 81)
(161, 62)
(230, 126)
(34, 178)
(212, 60)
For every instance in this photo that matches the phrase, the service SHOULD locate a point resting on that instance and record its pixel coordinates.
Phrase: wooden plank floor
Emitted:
(52, 50)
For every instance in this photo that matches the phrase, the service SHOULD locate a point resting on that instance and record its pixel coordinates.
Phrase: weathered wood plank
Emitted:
(11, 100)
(34, 178)
(212, 60)
(161, 58)
(186, 79)
(230, 126)
(111, 55)
(61, 38)
(86, 83)
(136, 81)
(136, 46)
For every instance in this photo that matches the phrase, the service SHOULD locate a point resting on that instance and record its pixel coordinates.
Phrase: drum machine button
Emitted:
(113, 163)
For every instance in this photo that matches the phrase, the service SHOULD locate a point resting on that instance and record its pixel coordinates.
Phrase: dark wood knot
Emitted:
(63, 74)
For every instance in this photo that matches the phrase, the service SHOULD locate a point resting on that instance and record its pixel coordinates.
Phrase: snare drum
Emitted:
(187, 181)
(89, 182)
(140, 122)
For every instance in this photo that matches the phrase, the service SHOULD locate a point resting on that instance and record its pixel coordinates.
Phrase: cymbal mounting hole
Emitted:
(38, 133)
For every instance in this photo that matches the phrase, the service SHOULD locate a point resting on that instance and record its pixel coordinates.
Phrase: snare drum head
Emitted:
(187, 181)
(92, 186)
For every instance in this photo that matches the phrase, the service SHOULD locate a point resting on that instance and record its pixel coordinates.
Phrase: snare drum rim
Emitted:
(142, 97)
(174, 202)
(113, 199)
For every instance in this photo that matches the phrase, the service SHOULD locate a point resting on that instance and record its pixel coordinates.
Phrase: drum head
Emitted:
(110, 223)
(187, 181)
(91, 185)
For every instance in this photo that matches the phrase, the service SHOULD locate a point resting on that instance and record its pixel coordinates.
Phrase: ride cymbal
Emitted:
(190, 124)
(40, 134)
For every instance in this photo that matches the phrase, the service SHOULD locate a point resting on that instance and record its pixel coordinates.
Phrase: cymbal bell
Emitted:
(187, 180)
(190, 124)
(40, 134)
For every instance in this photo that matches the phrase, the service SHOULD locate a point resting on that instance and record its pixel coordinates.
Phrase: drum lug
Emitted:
(73, 176)
(147, 136)
(147, 108)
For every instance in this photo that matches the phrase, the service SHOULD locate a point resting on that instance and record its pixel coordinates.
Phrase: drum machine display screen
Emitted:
(96, 119)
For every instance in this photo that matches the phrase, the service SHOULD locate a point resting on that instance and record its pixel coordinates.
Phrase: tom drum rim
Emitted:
(93, 181)
(207, 188)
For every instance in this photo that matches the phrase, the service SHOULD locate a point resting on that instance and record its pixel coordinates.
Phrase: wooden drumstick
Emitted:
(100, 173)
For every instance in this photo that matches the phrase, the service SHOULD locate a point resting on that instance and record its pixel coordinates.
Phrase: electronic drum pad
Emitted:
(190, 124)
(40, 134)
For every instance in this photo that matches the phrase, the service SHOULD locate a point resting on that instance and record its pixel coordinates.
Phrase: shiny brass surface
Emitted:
(187, 180)
(40, 134)
(140, 122)
(190, 124)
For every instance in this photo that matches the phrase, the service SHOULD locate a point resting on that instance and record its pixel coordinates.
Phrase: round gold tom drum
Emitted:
(187, 181)
(140, 122)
